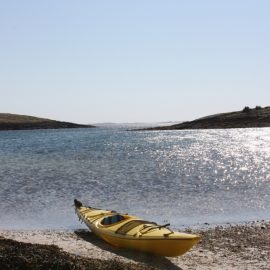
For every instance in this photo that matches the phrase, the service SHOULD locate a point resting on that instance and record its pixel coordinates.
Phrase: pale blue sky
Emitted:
(133, 61)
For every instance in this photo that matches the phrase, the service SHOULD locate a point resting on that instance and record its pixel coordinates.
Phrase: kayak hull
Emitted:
(159, 247)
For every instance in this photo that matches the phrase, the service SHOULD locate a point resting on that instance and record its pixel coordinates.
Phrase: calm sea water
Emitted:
(184, 177)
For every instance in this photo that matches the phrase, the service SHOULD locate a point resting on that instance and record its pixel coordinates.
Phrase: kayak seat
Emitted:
(131, 225)
(112, 219)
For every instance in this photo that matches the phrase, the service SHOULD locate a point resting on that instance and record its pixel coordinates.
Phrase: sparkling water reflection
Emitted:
(186, 177)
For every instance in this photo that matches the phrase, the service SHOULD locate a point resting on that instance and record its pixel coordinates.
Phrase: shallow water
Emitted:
(184, 177)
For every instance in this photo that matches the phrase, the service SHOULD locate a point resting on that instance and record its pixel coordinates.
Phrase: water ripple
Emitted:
(186, 177)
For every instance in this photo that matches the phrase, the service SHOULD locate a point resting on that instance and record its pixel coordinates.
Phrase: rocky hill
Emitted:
(16, 122)
(247, 118)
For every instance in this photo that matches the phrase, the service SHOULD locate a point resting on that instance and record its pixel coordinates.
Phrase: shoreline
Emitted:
(232, 246)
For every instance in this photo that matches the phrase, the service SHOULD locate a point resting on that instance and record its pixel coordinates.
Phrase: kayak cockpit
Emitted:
(111, 220)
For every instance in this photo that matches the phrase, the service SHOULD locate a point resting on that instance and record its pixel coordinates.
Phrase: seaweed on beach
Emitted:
(25, 256)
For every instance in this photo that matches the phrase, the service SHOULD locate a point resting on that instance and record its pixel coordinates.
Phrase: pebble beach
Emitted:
(232, 246)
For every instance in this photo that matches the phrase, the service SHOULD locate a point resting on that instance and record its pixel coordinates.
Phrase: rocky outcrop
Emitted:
(247, 118)
(18, 122)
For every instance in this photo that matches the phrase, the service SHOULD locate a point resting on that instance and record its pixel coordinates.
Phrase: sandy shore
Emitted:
(245, 246)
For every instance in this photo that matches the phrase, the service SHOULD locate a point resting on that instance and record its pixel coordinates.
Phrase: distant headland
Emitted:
(247, 118)
(10, 121)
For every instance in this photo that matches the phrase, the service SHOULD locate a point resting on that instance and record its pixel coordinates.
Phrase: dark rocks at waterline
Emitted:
(41, 125)
(25, 256)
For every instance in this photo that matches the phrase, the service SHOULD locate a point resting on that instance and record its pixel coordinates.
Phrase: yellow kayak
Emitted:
(131, 232)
